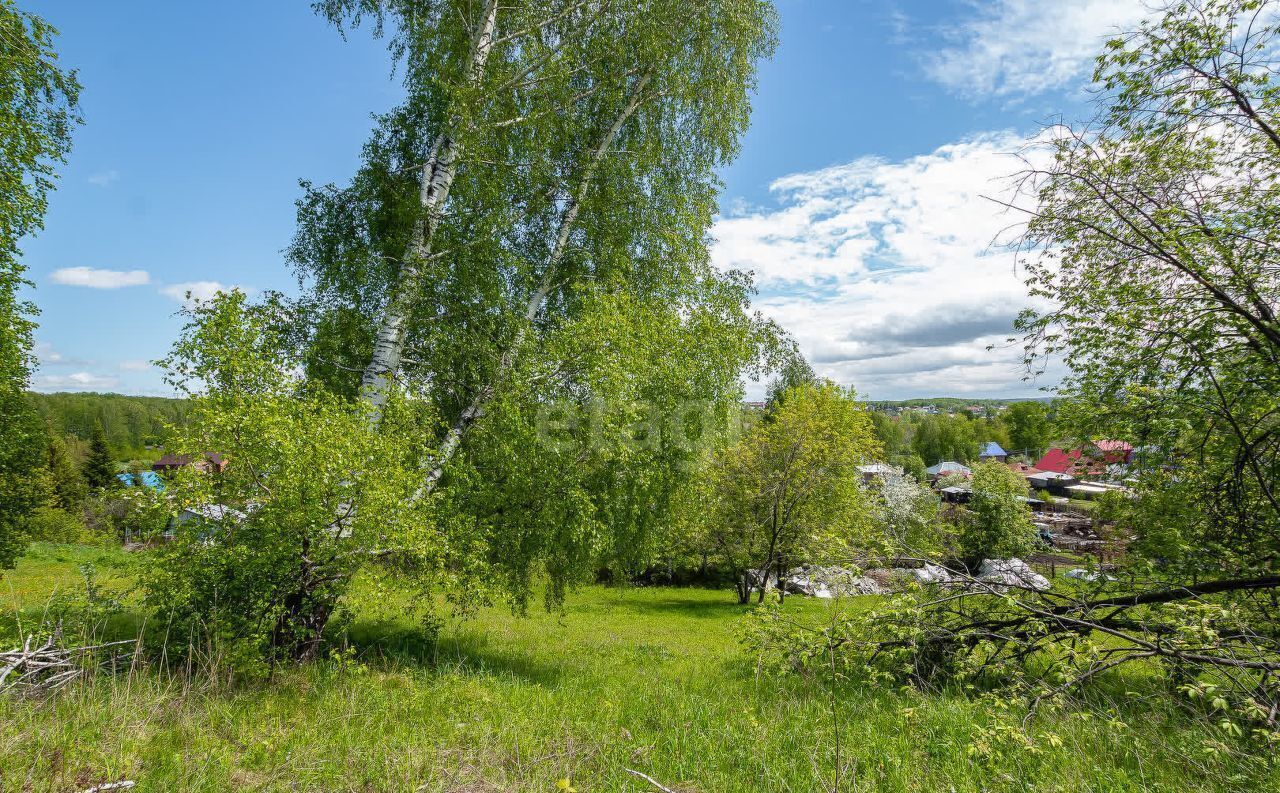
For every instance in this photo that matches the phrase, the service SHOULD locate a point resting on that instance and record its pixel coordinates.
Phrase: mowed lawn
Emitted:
(654, 680)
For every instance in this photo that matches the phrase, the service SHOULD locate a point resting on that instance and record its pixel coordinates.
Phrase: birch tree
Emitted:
(38, 110)
(582, 167)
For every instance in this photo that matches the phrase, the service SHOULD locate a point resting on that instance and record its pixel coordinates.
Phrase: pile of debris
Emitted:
(828, 582)
(1011, 573)
(47, 667)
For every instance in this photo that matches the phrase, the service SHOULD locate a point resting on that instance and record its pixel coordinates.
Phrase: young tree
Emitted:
(998, 523)
(37, 112)
(312, 494)
(790, 490)
(67, 485)
(1030, 431)
(939, 438)
(99, 466)
(908, 515)
(570, 153)
(794, 373)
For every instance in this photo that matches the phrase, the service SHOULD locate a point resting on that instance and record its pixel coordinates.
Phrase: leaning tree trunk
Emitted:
(475, 408)
(437, 179)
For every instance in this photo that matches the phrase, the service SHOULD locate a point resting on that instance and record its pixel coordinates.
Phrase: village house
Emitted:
(874, 471)
(1054, 482)
(210, 461)
(1092, 459)
(992, 451)
(149, 479)
(948, 468)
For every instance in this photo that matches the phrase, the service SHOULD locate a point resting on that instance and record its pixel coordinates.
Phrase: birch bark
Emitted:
(437, 179)
(458, 429)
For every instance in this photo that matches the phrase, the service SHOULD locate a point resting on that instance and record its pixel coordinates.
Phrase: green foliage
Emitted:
(131, 423)
(580, 463)
(24, 484)
(794, 372)
(37, 112)
(998, 524)
(99, 467)
(938, 438)
(790, 491)
(1030, 429)
(313, 493)
(51, 524)
(911, 464)
(67, 486)
(892, 434)
(528, 247)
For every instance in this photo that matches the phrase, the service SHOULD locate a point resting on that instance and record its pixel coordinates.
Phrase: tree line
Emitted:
(130, 423)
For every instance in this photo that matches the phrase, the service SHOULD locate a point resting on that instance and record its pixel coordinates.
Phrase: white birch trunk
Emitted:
(453, 438)
(437, 179)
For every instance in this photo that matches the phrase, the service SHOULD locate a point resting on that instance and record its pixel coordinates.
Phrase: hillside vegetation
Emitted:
(653, 680)
(130, 422)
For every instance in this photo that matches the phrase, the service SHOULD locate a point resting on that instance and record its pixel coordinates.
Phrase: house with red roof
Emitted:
(1090, 460)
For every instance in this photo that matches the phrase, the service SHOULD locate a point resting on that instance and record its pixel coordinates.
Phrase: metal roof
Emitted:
(149, 479)
(992, 449)
(947, 467)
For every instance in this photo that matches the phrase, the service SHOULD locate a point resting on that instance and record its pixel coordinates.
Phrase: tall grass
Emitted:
(647, 679)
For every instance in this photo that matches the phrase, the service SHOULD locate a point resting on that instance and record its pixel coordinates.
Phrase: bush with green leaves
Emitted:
(998, 522)
(790, 490)
(51, 524)
(313, 492)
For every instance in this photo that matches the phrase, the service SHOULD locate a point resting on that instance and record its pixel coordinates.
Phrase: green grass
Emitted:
(647, 679)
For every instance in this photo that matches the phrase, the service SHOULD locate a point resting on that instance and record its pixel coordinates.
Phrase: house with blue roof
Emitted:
(150, 479)
(992, 451)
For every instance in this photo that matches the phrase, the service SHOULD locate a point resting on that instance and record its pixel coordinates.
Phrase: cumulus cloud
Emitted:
(1024, 47)
(77, 381)
(892, 275)
(99, 279)
(197, 291)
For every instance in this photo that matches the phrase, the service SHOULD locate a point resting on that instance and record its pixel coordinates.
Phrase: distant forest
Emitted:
(131, 423)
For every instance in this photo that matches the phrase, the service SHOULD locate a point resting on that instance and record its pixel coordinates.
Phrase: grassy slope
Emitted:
(649, 679)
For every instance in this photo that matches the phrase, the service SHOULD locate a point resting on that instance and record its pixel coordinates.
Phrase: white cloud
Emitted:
(47, 355)
(135, 366)
(99, 279)
(77, 381)
(1023, 47)
(886, 272)
(104, 178)
(198, 291)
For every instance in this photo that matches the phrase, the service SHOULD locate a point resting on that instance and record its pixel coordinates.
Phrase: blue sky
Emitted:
(856, 200)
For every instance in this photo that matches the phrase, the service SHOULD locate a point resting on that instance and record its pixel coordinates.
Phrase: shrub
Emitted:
(314, 489)
(50, 524)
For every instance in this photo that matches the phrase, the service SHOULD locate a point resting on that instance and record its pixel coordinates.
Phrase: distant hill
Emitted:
(131, 422)
(949, 403)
